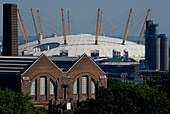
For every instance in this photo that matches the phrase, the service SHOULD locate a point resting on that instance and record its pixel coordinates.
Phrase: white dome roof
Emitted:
(84, 43)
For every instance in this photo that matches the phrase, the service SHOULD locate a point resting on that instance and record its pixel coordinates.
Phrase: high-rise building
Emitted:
(10, 30)
(156, 47)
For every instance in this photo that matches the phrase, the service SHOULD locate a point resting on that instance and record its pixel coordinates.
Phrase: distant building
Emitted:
(156, 48)
(116, 69)
(61, 79)
(10, 30)
(149, 74)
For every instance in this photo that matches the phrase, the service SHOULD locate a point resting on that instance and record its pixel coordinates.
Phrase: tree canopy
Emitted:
(127, 98)
(165, 82)
(16, 103)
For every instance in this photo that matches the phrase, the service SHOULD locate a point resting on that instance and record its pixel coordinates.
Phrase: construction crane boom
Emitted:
(64, 29)
(101, 22)
(69, 24)
(25, 32)
(143, 28)
(127, 27)
(35, 25)
(97, 27)
(22, 30)
(42, 32)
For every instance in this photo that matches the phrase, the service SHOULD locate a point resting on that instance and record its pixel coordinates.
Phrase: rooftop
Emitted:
(83, 43)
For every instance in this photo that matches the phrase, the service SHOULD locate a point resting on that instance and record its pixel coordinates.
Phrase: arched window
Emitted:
(75, 87)
(42, 85)
(34, 87)
(84, 85)
(52, 87)
(93, 86)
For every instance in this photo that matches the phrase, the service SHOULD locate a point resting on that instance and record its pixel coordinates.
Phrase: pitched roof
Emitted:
(17, 65)
(40, 61)
(64, 63)
(89, 60)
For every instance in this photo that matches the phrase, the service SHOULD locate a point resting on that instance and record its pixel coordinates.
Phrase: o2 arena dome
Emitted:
(82, 43)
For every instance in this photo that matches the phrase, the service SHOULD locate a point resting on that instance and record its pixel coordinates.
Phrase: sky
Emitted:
(83, 11)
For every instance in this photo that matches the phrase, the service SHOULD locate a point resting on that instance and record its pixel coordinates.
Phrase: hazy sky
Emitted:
(83, 11)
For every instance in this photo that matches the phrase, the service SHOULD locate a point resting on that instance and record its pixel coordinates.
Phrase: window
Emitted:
(52, 87)
(42, 85)
(84, 85)
(34, 87)
(93, 86)
(75, 87)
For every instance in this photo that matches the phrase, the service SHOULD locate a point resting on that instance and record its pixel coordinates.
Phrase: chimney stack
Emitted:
(10, 30)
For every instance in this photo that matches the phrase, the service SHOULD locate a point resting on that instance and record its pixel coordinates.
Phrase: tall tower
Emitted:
(10, 30)
(156, 48)
(164, 52)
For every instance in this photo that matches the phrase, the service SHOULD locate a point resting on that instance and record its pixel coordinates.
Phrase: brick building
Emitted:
(10, 30)
(45, 78)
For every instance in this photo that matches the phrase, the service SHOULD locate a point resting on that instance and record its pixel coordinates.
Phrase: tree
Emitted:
(152, 83)
(127, 98)
(17, 103)
(165, 82)
(111, 81)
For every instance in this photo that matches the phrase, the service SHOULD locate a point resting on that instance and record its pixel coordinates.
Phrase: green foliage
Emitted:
(165, 82)
(67, 112)
(152, 83)
(41, 110)
(111, 81)
(17, 103)
(127, 98)
(11, 102)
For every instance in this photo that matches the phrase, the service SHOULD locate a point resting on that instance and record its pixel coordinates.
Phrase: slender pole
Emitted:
(101, 21)
(127, 27)
(22, 30)
(143, 28)
(25, 32)
(69, 24)
(64, 29)
(35, 25)
(40, 24)
(97, 27)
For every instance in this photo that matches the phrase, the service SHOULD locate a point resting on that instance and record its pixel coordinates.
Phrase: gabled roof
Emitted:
(80, 63)
(19, 65)
(64, 63)
(40, 61)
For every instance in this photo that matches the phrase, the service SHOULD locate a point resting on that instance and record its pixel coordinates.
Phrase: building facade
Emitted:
(43, 80)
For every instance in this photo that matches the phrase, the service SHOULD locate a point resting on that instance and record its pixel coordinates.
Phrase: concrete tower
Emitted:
(10, 30)
(155, 53)
(164, 52)
(156, 48)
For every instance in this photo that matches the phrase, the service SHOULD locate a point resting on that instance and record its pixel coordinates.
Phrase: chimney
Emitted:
(10, 30)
